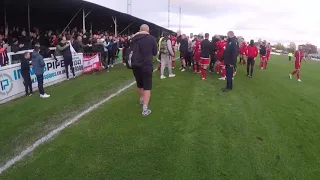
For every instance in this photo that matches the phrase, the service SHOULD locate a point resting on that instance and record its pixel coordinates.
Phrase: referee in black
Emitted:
(230, 59)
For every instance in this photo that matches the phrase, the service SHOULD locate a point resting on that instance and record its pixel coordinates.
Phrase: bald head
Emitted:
(144, 27)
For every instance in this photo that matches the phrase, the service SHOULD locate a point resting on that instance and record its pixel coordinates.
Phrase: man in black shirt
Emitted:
(144, 47)
(25, 72)
(183, 51)
(230, 59)
(263, 53)
(204, 56)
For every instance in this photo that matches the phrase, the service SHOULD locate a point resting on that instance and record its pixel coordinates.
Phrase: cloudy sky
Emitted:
(272, 20)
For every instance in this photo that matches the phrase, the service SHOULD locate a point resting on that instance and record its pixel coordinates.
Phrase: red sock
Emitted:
(199, 68)
(293, 73)
(194, 68)
(218, 68)
(172, 64)
(298, 75)
(223, 73)
(204, 73)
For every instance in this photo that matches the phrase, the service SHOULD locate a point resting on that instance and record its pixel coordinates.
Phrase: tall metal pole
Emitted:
(169, 2)
(29, 25)
(83, 21)
(129, 6)
(180, 19)
(5, 19)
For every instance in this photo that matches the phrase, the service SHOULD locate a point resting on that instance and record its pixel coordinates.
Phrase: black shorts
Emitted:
(143, 76)
(250, 61)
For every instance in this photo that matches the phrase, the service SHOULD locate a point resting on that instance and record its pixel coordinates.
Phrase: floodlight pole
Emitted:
(129, 7)
(5, 19)
(180, 19)
(29, 25)
(115, 26)
(169, 2)
(83, 21)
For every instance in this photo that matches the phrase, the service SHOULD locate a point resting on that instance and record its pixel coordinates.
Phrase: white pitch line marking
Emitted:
(64, 125)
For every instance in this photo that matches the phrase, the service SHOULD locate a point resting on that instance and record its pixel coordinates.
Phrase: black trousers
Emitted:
(213, 61)
(40, 83)
(104, 60)
(68, 62)
(289, 58)
(27, 82)
(111, 57)
(250, 64)
(189, 58)
(229, 74)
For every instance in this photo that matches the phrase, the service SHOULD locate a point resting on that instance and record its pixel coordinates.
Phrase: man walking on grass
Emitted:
(144, 47)
(166, 52)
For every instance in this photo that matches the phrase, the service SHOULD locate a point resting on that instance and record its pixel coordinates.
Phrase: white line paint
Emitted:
(60, 128)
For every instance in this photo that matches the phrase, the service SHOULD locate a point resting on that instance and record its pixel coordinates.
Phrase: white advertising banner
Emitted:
(11, 81)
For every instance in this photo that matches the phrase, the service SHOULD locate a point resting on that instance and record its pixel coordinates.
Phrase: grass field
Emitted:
(266, 128)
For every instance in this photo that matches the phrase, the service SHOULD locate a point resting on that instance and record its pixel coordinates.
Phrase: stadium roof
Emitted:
(56, 14)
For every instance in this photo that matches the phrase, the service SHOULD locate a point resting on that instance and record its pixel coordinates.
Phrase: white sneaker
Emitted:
(183, 70)
(290, 76)
(112, 66)
(222, 78)
(299, 80)
(172, 67)
(73, 77)
(162, 77)
(44, 95)
(172, 75)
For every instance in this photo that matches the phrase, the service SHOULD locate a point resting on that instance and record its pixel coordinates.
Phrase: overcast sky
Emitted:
(272, 20)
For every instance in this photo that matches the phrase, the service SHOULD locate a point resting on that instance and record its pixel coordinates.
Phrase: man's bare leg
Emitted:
(146, 98)
(140, 94)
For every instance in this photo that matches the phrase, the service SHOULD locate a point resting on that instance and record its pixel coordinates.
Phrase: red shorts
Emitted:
(196, 57)
(263, 58)
(297, 65)
(222, 64)
(204, 61)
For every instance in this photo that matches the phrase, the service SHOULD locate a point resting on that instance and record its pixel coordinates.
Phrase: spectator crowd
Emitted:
(103, 42)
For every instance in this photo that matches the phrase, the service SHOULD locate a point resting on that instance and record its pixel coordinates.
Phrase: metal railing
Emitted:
(10, 54)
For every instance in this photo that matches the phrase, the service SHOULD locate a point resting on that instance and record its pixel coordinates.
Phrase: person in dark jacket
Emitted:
(111, 53)
(183, 51)
(25, 72)
(230, 59)
(64, 48)
(144, 47)
(213, 58)
(38, 68)
(78, 45)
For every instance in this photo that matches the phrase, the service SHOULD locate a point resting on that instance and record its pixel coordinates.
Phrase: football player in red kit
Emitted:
(221, 45)
(267, 55)
(196, 56)
(243, 49)
(251, 53)
(173, 40)
(205, 47)
(263, 53)
(299, 56)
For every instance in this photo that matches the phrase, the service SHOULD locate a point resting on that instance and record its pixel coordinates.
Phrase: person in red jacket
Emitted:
(251, 53)
(299, 56)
